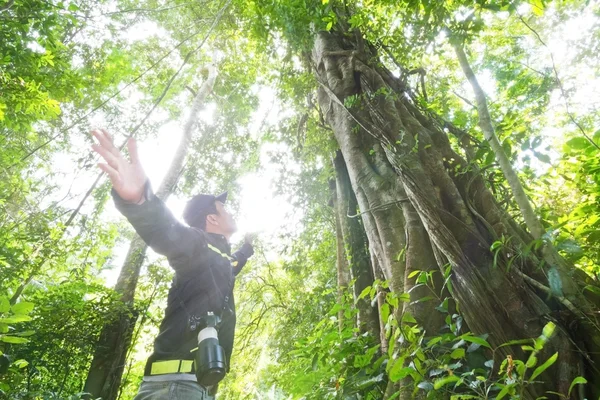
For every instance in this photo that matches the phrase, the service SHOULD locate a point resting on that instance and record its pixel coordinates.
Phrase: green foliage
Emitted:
(335, 361)
(60, 334)
(11, 315)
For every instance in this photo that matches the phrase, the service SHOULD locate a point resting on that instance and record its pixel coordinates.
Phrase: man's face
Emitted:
(225, 219)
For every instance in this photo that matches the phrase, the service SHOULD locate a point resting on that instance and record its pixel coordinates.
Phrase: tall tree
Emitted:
(444, 216)
(458, 218)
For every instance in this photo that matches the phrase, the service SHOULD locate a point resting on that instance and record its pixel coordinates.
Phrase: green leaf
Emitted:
(476, 340)
(408, 318)
(423, 299)
(385, 312)
(544, 366)
(445, 381)
(15, 319)
(443, 307)
(399, 371)
(578, 143)
(571, 247)
(505, 390)
(413, 273)
(548, 330)
(542, 157)
(25, 333)
(576, 381)
(515, 342)
(21, 363)
(315, 362)
(592, 289)
(23, 307)
(364, 292)
(458, 353)
(434, 340)
(13, 339)
(4, 304)
(537, 6)
(531, 361)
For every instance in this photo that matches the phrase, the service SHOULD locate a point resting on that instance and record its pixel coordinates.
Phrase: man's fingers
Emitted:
(108, 136)
(113, 174)
(110, 158)
(102, 139)
(133, 152)
(105, 140)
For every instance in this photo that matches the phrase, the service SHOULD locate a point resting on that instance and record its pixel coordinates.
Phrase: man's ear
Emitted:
(212, 219)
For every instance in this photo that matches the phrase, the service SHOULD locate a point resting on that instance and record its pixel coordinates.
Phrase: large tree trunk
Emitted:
(104, 377)
(423, 209)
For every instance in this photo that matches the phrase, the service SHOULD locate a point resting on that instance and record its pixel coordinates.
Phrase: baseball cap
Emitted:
(201, 205)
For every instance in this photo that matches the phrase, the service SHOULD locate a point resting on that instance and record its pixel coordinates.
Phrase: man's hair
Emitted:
(199, 207)
(200, 221)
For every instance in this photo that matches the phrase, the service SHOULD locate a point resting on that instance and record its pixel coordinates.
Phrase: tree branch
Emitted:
(534, 225)
(7, 5)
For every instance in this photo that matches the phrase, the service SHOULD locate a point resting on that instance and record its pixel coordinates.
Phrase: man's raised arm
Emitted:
(149, 216)
(241, 256)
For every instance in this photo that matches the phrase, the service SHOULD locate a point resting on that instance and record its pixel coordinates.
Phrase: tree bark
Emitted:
(342, 267)
(106, 370)
(397, 155)
(355, 249)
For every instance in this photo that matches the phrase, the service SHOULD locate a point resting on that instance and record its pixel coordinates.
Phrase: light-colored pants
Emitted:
(172, 390)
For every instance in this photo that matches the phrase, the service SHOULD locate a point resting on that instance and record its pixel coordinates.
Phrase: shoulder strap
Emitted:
(229, 291)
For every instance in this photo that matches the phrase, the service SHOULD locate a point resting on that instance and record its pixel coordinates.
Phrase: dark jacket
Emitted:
(204, 276)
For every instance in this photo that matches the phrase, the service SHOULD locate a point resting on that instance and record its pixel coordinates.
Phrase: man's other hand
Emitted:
(128, 177)
(249, 238)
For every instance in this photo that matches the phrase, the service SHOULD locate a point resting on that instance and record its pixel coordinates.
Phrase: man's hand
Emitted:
(128, 178)
(249, 238)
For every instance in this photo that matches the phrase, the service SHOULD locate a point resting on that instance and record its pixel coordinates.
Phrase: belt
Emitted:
(171, 367)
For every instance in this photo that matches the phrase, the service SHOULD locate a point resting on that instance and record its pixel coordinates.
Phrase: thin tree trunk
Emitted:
(561, 284)
(566, 284)
(355, 249)
(104, 377)
(342, 267)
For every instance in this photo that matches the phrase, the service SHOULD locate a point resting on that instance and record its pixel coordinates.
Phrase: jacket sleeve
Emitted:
(241, 256)
(157, 226)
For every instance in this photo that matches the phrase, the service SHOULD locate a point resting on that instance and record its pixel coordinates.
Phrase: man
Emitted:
(204, 268)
